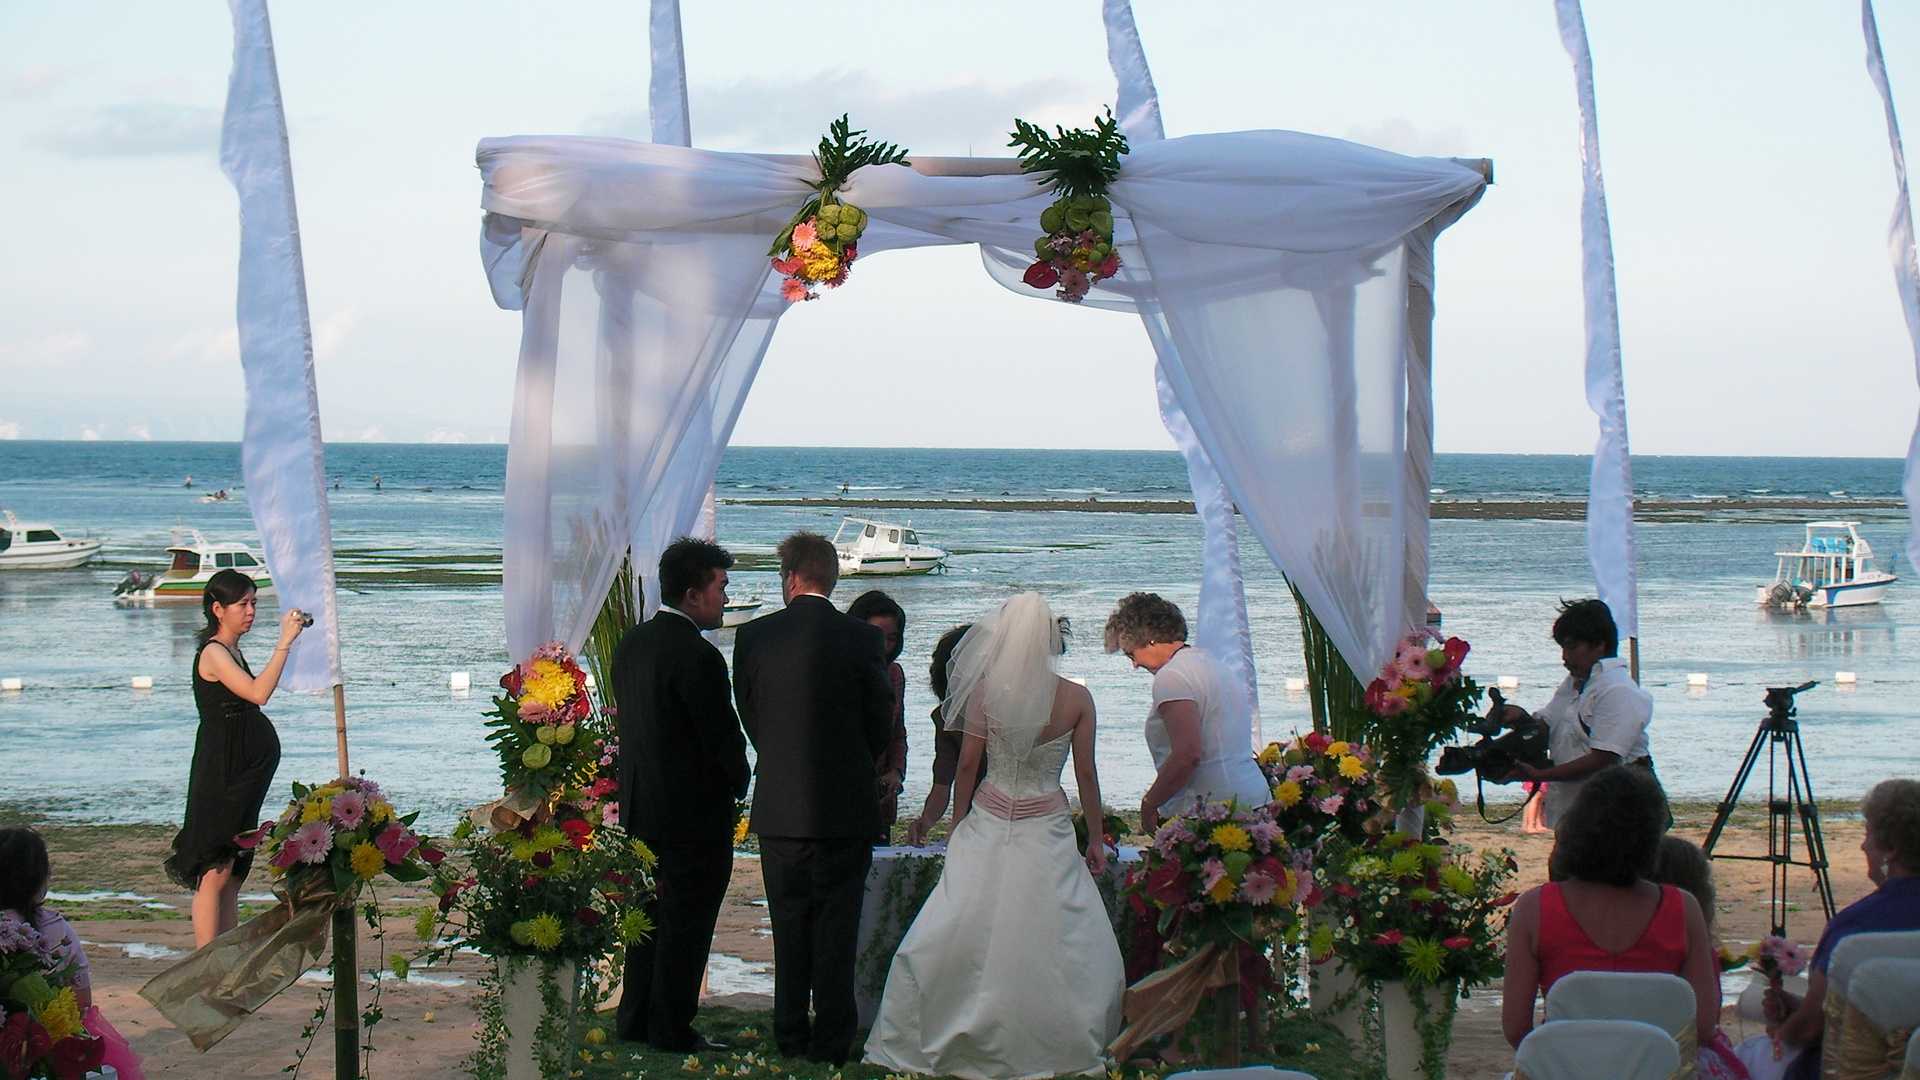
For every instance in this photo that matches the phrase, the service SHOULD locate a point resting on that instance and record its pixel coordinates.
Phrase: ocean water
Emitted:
(418, 562)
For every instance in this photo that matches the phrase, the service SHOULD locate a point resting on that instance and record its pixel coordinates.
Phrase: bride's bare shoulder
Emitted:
(1071, 693)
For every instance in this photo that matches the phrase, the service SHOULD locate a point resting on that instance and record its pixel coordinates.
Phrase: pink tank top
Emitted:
(1564, 947)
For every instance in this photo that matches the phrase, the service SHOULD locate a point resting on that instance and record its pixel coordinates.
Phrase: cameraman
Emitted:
(1599, 715)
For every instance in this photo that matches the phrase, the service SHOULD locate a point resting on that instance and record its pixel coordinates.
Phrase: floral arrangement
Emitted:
(1221, 874)
(1421, 912)
(346, 830)
(1420, 700)
(1321, 787)
(1775, 957)
(1077, 251)
(536, 724)
(818, 246)
(42, 1035)
(1112, 828)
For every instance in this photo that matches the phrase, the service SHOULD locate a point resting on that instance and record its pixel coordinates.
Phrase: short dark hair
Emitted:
(1611, 833)
(24, 871)
(1587, 620)
(1892, 814)
(1143, 619)
(874, 603)
(1682, 864)
(811, 558)
(942, 656)
(690, 564)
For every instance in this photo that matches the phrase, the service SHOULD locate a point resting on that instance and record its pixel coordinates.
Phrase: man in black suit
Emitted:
(683, 765)
(814, 696)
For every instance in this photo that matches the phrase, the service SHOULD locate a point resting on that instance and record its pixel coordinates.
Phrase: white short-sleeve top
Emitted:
(1227, 769)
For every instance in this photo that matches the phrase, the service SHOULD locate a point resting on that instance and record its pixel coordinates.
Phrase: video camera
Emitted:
(1501, 747)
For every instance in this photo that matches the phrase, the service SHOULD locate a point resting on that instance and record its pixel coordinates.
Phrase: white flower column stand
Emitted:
(1415, 1028)
(538, 999)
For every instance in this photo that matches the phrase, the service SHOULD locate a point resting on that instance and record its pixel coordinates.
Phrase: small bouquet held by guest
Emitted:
(1777, 957)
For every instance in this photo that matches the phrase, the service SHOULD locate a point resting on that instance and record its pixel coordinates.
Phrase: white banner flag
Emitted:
(1610, 488)
(1906, 266)
(281, 455)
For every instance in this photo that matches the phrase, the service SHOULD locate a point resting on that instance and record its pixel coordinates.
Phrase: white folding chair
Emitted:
(1596, 1050)
(1911, 1070)
(1251, 1072)
(1665, 1001)
(1883, 1010)
(1849, 953)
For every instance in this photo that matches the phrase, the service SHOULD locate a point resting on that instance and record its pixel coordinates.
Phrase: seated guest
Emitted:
(1891, 812)
(1602, 914)
(1682, 864)
(879, 609)
(947, 739)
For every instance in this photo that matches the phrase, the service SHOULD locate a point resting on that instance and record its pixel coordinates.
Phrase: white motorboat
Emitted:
(743, 610)
(878, 547)
(1834, 568)
(193, 565)
(31, 545)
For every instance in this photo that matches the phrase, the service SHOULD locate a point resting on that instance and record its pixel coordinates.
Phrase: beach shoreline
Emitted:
(1440, 509)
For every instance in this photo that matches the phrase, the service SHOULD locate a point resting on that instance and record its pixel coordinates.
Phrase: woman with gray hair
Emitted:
(1200, 729)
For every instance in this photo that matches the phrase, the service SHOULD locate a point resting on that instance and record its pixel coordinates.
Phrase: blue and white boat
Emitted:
(1834, 569)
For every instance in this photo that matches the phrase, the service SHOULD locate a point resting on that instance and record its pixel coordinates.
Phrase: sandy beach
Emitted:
(429, 1020)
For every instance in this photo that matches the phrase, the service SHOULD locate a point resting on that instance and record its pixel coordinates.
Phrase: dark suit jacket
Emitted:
(815, 700)
(683, 761)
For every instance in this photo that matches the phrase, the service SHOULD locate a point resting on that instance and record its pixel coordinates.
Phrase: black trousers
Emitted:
(663, 973)
(814, 890)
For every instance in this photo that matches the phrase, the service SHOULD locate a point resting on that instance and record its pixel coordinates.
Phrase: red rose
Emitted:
(1317, 742)
(586, 916)
(432, 856)
(1391, 937)
(1461, 941)
(1168, 884)
(76, 1056)
(1041, 276)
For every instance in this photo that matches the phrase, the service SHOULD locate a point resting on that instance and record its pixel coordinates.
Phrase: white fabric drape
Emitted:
(282, 455)
(1610, 546)
(667, 76)
(1276, 261)
(1221, 627)
(1906, 267)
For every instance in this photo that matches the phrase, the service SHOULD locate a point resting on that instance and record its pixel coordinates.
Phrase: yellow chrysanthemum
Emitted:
(543, 931)
(1270, 756)
(1405, 863)
(740, 831)
(550, 685)
(425, 923)
(325, 790)
(1458, 881)
(1351, 768)
(380, 811)
(819, 264)
(547, 838)
(1338, 748)
(1231, 837)
(647, 857)
(367, 860)
(60, 1015)
(316, 809)
(1288, 794)
(1222, 890)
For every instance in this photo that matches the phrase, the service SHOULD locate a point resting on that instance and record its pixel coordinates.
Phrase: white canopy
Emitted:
(1285, 281)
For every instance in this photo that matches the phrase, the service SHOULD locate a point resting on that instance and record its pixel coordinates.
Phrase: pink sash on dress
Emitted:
(1006, 807)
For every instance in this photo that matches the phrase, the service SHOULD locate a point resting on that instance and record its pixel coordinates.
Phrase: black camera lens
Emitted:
(306, 619)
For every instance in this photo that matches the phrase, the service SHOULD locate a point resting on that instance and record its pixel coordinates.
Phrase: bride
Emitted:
(1011, 970)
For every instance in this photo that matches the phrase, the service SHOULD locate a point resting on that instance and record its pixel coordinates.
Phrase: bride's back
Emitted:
(1037, 771)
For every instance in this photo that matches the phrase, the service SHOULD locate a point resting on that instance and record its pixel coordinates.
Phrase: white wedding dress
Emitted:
(1011, 970)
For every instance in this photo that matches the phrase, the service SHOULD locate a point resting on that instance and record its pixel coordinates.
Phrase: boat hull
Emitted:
(184, 589)
(888, 566)
(62, 556)
(1851, 594)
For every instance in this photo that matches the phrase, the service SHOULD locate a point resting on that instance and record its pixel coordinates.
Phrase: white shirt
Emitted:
(1227, 769)
(1615, 712)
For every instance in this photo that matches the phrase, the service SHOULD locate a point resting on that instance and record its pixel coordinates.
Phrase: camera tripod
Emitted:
(1780, 734)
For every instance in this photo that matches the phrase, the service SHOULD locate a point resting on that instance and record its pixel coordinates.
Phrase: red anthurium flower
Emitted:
(1460, 941)
(76, 1056)
(1456, 651)
(22, 1042)
(1507, 899)
(511, 682)
(587, 916)
(1391, 937)
(1168, 884)
(432, 855)
(1346, 890)
(1317, 742)
(1041, 276)
(533, 881)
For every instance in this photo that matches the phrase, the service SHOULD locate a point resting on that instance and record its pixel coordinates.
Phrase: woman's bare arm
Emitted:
(1523, 969)
(1087, 776)
(218, 665)
(1182, 719)
(967, 777)
(1702, 971)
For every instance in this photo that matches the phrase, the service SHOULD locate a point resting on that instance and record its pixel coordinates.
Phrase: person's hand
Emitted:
(1097, 857)
(291, 624)
(1512, 714)
(1149, 818)
(1776, 1005)
(890, 784)
(1523, 771)
(917, 831)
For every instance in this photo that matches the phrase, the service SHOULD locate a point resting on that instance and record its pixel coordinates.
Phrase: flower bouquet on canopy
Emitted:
(554, 887)
(1420, 700)
(42, 1034)
(1222, 887)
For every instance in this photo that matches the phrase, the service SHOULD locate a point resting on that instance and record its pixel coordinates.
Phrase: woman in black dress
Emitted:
(235, 754)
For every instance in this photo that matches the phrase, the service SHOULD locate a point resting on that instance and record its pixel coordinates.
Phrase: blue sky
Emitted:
(1747, 169)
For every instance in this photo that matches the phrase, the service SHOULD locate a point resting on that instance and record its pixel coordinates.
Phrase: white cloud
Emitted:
(446, 435)
(1400, 136)
(48, 350)
(38, 80)
(329, 332)
(207, 345)
(781, 115)
(140, 431)
(143, 129)
(9, 429)
(373, 434)
(88, 434)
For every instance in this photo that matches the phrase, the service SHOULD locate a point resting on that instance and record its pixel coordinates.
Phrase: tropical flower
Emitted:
(60, 1015)
(311, 842)
(394, 845)
(1258, 888)
(1231, 838)
(348, 808)
(1287, 794)
(544, 931)
(367, 859)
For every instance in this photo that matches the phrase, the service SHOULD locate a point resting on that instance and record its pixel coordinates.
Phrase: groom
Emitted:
(815, 699)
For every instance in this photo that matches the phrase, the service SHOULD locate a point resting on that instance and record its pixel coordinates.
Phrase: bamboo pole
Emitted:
(340, 727)
(346, 945)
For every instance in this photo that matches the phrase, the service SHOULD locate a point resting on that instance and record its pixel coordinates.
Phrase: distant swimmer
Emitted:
(336, 483)
(189, 479)
(376, 483)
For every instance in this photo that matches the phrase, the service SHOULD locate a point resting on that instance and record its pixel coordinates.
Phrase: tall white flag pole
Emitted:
(1610, 488)
(1906, 266)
